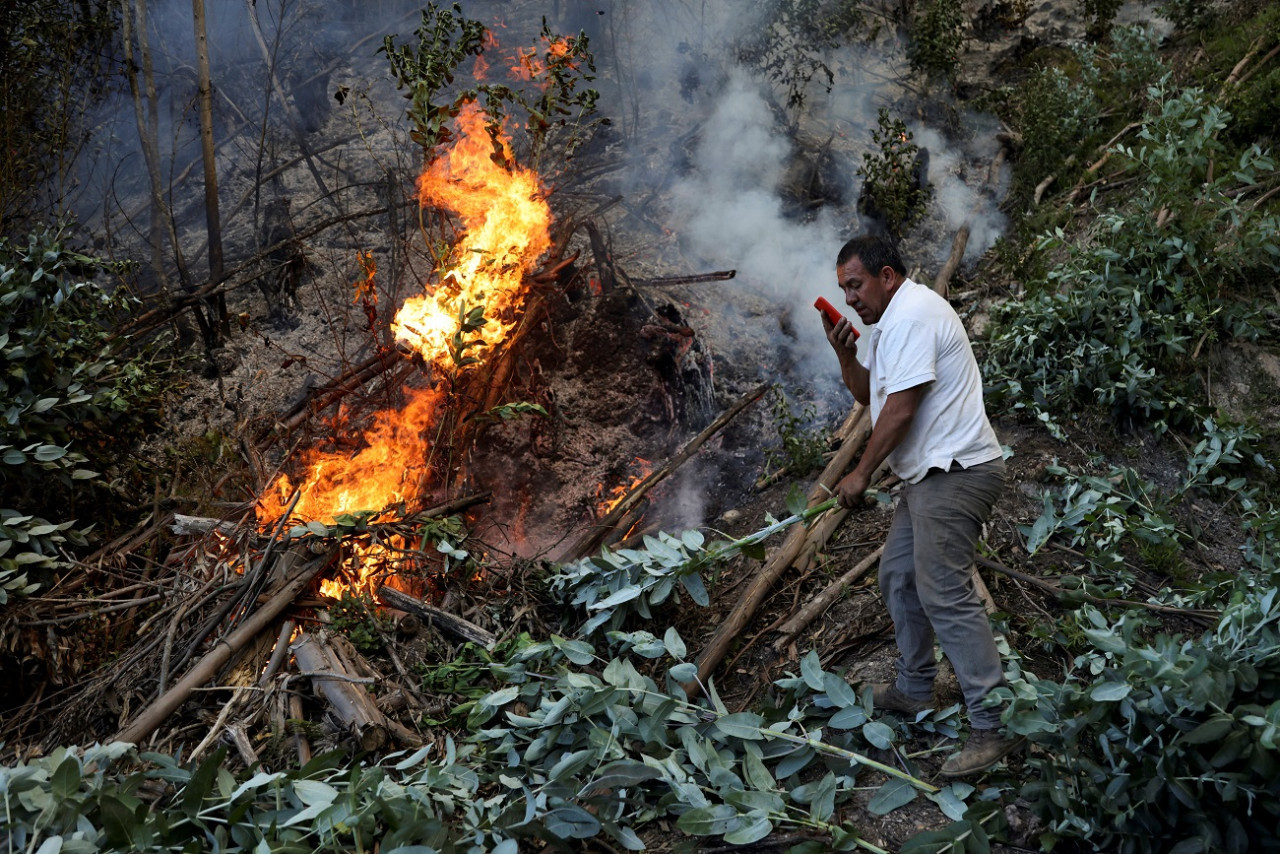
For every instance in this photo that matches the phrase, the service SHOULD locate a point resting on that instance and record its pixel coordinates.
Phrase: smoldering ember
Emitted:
(422, 432)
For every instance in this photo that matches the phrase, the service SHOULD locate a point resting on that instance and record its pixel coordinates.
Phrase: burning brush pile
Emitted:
(360, 542)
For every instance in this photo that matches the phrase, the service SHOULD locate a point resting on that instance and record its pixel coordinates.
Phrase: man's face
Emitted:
(865, 292)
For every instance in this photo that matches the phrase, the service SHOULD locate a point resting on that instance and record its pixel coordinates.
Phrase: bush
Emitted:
(1163, 273)
(936, 39)
(1172, 744)
(894, 190)
(72, 395)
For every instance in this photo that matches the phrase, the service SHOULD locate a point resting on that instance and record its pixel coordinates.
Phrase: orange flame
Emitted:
(505, 228)
(643, 469)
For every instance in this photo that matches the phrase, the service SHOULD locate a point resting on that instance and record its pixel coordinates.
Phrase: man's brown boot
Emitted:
(887, 697)
(984, 748)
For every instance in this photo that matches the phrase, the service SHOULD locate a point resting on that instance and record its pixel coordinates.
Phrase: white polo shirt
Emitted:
(919, 340)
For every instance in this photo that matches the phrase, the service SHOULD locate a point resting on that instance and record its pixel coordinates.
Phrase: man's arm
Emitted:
(891, 428)
(844, 340)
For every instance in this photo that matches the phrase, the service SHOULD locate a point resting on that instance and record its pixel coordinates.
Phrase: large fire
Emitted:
(505, 226)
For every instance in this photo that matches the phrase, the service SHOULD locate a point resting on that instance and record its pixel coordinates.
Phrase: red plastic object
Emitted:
(831, 312)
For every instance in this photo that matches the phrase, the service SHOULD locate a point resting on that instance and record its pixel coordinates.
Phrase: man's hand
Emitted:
(851, 491)
(843, 338)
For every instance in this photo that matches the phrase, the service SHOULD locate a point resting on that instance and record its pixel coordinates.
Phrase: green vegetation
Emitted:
(74, 395)
(51, 67)
(791, 44)
(447, 38)
(937, 36)
(801, 443)
(573, 738)
(892, 189)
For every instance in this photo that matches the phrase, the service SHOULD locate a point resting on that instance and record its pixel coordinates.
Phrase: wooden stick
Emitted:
(232, 705)
(155, 714)
(589, 542)
(662, 281)
(1061, 593)
(818, 604)
(442, 620)
(299, 740)
(244, 747)
(819, 533)
(777, 564)
(278, 654)
(1261, 62)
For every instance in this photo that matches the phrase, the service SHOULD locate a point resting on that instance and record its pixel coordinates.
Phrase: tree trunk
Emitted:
(214, 224)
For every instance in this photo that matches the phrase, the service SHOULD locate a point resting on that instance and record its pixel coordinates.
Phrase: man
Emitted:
(925, 392)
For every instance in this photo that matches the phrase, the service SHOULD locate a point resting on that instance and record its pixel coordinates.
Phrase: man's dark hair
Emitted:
(874, 252)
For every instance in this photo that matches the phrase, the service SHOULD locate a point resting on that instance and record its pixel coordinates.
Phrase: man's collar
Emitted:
(894, 300)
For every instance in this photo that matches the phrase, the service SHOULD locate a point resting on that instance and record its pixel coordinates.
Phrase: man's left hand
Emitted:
(851, 491)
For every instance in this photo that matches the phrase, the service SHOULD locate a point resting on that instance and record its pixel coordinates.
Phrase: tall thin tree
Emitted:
(212, 220)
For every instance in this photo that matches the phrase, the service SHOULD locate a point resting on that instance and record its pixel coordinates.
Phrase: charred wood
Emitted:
(443, 620)
(590, 542)
(664, 281)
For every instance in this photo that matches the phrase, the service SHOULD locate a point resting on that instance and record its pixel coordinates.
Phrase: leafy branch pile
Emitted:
(574, 738)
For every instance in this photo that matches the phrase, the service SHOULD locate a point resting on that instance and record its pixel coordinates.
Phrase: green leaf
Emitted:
(66, 778)
(570, 764)
(622, 774)
(755, 773)
(890, 796)
(49, 453)
(754, 828)
(951, 800)
(848, 718)
(684, 672)
(579, 652)
(673, 642)
(314, 792)
(692, 583)
(744, 725)
(626, 594)
(1214, 729)
(879, 734)
(201, 784)
(822, 803)
(1105, 692)
(713, 820)
(838, 691)
(811, 670)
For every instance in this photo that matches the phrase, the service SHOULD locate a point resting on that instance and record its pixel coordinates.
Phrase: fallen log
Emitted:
(155, 714)
(349, 704)
(443, 620)
(589, 542)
